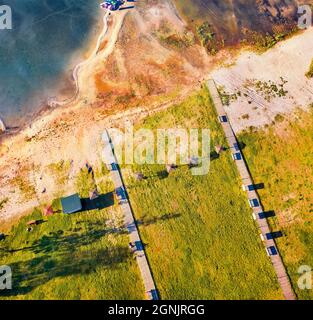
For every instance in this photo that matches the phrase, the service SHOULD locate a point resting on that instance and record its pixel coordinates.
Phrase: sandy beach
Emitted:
(287, 63)
(70, 132)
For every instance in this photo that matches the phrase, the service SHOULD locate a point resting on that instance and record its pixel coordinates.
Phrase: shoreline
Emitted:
(70, 82)
(46, 110)
(73, 133)
(52, 103)
(75, 74)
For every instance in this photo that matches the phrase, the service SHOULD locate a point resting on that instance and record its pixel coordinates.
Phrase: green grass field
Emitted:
(281, 158)
(200, 237)
(79, 256)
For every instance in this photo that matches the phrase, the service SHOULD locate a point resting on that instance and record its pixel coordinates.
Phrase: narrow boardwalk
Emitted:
(130, 224)
(270, 244)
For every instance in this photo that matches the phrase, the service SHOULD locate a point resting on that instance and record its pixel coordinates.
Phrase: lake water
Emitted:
(36, 53)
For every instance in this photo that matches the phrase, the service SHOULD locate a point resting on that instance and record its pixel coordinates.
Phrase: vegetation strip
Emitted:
(276, 260)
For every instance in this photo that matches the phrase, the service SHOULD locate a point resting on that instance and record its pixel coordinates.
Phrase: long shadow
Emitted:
(275, 235)
(267, 214)
(102, 202)
(241, 145)
(161, 175)
(58, 255)
(146, 221)
(214, 156)
(259, 186)
(57, 242)
(27, 275)
(125, 8)
(164, 174)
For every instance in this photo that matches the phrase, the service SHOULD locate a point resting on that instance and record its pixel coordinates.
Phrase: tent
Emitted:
(71, 204)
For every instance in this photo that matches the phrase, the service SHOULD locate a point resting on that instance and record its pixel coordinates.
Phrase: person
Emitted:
(132, 247)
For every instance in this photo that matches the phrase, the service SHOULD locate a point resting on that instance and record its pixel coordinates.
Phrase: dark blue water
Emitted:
(38, 50)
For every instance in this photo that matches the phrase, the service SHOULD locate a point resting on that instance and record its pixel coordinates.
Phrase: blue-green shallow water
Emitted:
(37, 51)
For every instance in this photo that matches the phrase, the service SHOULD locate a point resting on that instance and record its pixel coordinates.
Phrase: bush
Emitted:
(309, 74)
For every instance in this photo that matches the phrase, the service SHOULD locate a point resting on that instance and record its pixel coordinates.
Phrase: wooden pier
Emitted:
(253, 197)
(129, 220)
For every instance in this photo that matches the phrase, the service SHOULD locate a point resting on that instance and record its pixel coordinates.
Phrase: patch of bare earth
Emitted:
(134, 74)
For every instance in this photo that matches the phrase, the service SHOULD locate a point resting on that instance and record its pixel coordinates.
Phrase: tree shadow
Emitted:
(58, 255)
(241, 145)
(214, 155)
(58, 242)
(27, 275)
(161, 174)
(146, 221)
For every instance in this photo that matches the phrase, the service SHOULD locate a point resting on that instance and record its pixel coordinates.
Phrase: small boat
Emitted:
(112, 5)
(2, 126)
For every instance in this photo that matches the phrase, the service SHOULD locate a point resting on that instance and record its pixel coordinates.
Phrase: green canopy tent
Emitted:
(71, 204)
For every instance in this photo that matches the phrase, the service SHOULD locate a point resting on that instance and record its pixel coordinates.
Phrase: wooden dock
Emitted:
(270, 244)
(129, 220)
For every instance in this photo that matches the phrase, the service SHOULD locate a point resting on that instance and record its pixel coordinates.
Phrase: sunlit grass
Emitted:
(281, 158)
(201, 240)
(79, 256)
(199, 233)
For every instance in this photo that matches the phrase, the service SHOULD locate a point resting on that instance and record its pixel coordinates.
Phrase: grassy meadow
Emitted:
(198, 231)
(200, 237)
(79, 256)
(281, 158)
